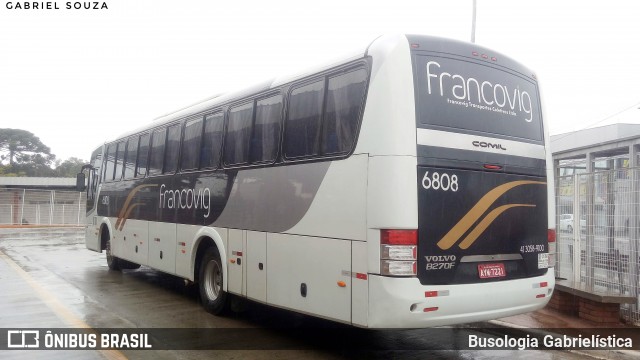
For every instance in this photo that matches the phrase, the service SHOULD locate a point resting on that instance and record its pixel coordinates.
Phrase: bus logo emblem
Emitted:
(477, 211)
(483, 144)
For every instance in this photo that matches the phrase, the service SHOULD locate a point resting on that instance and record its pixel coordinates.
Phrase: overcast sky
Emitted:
(77, 78)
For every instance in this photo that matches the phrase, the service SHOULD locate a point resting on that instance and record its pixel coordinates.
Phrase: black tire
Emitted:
(112, 261)
(210, 281)
(128, 265)
(115, 263)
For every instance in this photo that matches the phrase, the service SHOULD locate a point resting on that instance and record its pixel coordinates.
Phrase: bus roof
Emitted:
(419, 43)
(223, 98)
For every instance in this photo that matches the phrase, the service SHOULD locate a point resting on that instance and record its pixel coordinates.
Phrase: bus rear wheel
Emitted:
(214, 298)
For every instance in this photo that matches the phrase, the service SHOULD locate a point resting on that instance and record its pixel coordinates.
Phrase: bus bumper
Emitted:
(405, 303)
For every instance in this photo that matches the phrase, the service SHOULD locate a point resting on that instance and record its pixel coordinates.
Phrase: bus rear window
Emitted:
(475, 98)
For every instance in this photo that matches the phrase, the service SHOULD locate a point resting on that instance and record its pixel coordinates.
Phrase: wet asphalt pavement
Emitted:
(49, 280)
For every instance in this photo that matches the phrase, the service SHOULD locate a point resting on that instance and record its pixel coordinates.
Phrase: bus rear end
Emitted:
(485, 225)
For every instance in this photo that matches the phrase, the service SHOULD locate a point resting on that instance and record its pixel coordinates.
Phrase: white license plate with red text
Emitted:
(487, 271)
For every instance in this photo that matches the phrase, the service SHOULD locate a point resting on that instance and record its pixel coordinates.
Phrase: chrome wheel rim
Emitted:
(212, 280)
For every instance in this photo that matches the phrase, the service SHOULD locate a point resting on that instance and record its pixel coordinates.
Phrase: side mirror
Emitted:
(80, 182)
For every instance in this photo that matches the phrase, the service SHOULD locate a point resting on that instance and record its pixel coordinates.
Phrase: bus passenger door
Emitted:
(236, 261)
(92, 228)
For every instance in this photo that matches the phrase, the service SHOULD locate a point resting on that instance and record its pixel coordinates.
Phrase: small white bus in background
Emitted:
(406, 186)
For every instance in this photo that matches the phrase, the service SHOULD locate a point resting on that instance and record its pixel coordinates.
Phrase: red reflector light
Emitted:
(543, 284)
(415, 46)
(485, 56)
(492, 167)
(493, 58)
(430, 293)
(540, 296)
(361, 276)
(430, 309)
(399, 237)
(551, 235)
(475, 53)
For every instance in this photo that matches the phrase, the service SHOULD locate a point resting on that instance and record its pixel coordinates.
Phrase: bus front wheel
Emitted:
(214, 298)
(112, 261)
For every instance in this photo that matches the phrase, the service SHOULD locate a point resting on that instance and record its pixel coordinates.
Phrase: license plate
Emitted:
(487, 271)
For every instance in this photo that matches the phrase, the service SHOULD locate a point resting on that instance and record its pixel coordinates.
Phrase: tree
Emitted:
(23, 154)
(69, 167)
(21, 147)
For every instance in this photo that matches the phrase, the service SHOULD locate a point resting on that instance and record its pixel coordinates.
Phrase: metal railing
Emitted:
(598, 233)
(41, 207)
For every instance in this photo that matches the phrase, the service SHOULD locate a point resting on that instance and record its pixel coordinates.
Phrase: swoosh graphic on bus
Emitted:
(478, 210)
(125, 211)
(126, 216)
(484, 224)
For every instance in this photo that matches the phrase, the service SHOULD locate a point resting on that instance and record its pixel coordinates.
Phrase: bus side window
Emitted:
(345, 97)
(302, 127)
(212, 141)
(157, 151)
(110, 162)
(130, 158)
(236, 146)
(190, 155)
(119, 161)
(143, 156)
(172, 149)
(266, 131)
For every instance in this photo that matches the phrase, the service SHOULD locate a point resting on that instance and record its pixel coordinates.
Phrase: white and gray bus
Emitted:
(405, 186)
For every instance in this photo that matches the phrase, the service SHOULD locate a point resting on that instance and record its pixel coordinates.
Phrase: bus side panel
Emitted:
(186, 235)
(388, 122)
(133, 241)
(256, 262)
(391, 200)
(338, 207)
(311, 275)
(162, 247)
(235, 252)
(360, 287)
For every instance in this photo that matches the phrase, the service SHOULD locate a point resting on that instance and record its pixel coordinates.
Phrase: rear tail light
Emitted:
(399, 237)
(398, 268)
(551, 238)
(398, 252)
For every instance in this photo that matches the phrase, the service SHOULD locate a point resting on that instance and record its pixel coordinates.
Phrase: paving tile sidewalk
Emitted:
(548, 318)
